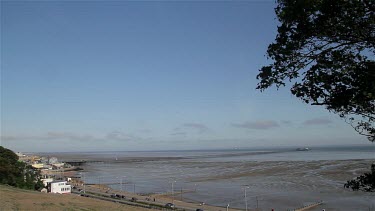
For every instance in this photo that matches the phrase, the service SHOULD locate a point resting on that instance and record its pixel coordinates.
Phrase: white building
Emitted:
(46, 181)
(58, 165)
(52, 160)
(20, 154)
(59, 187)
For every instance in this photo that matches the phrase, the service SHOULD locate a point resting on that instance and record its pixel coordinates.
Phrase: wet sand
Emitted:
(290, 184)
(272, 184)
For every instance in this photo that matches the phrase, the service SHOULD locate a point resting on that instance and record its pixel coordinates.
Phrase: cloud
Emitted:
(286, 122)
(201, 128)
(47, 136)
(259, 125)
(145, 131)
(179, 134)
(317, 121)
(66, 135)
(9, 138)
(119, 136)
(51, 136)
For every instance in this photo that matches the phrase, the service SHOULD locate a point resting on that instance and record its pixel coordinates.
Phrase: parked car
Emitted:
(198, 210)
(169, 205)
(134, 199)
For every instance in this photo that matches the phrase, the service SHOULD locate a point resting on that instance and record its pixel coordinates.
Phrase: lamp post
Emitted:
(84, 187)
(99, 182)
(173, 191)
(121, 182)
(227, 207)
(245, 188)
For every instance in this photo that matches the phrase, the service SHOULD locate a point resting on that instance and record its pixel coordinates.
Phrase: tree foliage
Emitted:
(18, 174)
(326, 50)
(365, 182)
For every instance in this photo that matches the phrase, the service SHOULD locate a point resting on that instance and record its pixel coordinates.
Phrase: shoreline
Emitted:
(156, 199)
(275, 182)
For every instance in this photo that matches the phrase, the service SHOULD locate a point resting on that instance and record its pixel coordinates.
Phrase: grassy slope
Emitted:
(18, 199)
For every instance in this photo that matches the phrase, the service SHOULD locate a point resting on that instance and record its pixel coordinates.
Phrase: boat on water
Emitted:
(303, 149)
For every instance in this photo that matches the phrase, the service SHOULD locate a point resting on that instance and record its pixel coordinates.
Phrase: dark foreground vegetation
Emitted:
(16, 173)
(365, 182)
(325, 51)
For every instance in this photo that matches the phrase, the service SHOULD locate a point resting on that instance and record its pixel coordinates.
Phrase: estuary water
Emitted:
(281, 178)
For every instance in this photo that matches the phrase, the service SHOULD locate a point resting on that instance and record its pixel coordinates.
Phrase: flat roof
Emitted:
(58, 181)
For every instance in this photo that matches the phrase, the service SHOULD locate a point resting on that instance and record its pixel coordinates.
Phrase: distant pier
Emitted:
(82, 162)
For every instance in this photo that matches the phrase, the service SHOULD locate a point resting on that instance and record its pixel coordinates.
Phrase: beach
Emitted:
(220, 178)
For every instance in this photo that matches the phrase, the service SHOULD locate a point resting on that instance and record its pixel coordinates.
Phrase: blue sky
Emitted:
(95, 75)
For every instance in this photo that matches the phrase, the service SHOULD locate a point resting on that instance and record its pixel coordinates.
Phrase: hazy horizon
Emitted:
(369, 146)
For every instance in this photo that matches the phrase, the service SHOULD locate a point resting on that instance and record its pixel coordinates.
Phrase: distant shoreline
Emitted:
(264, 148)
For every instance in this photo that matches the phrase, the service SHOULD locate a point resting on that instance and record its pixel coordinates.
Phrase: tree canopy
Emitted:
(15, 173)
(365, 182)
(326, 50)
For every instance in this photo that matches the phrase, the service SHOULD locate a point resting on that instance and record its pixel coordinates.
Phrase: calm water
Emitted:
(218, 177)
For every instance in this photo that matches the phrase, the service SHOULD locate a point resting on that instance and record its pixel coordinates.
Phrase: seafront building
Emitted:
(59, 187)
(46, 181)
(38, 165)
(50, 169)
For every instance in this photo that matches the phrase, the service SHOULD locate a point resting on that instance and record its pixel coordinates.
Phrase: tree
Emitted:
(18, 174)
(326, 50)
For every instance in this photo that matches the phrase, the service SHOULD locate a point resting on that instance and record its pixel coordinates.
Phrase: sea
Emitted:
(281, 178)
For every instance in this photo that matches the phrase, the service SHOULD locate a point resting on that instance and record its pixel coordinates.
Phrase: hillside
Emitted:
(19, 199)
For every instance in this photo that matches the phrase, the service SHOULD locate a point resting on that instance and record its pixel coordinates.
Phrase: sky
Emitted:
(148, 75)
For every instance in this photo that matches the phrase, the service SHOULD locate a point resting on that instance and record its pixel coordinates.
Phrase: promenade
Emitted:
(152, 201)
